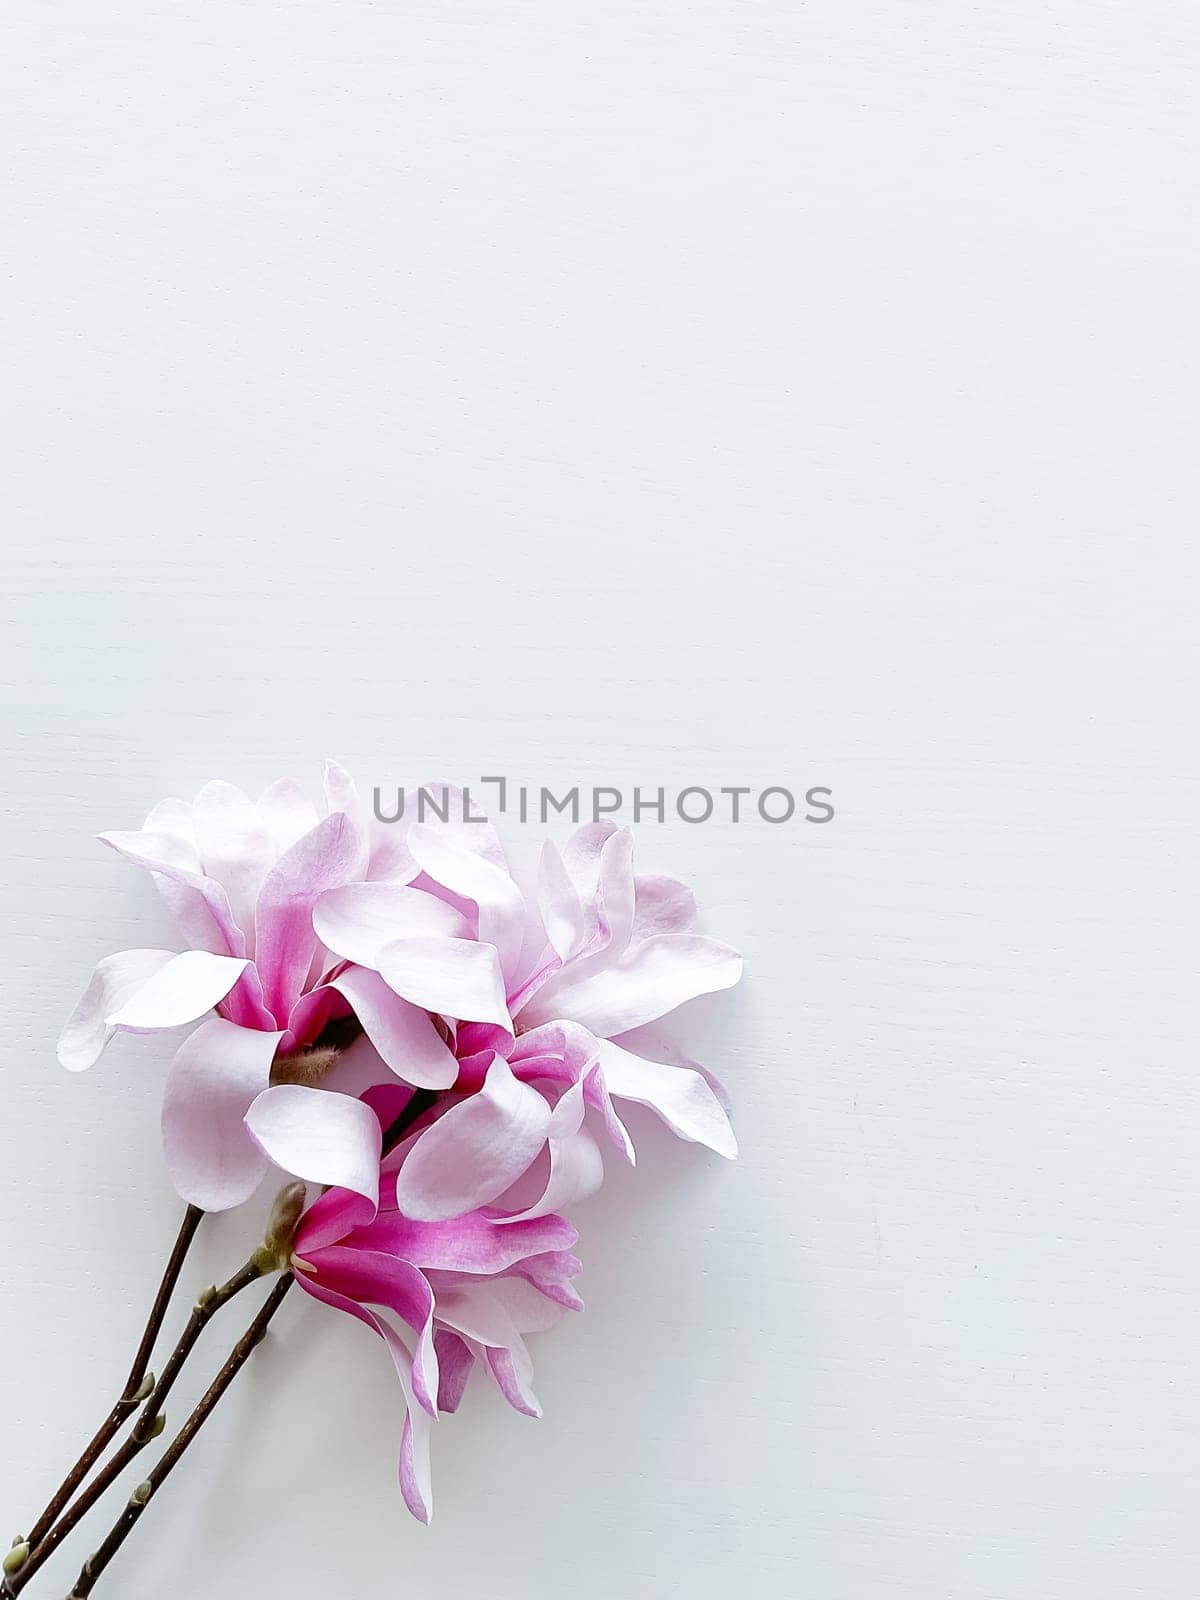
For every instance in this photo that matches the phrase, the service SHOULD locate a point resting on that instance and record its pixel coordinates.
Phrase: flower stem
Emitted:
(144, 1493)
(130, 1396)
(144, 1429)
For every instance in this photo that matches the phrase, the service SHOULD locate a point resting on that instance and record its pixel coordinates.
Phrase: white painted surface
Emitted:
(647, 393)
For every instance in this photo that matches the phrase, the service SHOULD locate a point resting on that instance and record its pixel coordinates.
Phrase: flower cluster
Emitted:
(383, 1014)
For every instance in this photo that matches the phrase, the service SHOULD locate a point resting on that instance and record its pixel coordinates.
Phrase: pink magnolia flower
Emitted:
(419, 936)
(463, 1291)
(241, 879)
(548, 1008)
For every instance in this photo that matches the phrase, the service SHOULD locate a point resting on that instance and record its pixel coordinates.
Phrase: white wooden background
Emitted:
(646, 393)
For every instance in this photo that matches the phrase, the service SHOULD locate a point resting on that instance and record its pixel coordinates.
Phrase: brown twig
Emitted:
(144, 1430)
(145, 1491)
(133, 1393)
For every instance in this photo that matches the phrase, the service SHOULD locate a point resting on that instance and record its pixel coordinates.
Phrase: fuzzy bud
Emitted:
(205, 1295)
(159, 1424)
(142, 1493)
(281, 1224)
(144, 1389)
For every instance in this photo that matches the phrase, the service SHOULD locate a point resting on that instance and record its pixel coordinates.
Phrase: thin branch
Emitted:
(144, 1430)
(132, 1394)
(145, 1491)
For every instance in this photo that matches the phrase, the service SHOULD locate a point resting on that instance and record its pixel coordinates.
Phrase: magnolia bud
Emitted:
(281, 1224)
(15, 1559)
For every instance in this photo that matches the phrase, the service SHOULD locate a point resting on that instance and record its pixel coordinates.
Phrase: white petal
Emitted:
(341, 791)
(403, 1034)
(651, 978)
(474, 1151)
(559, 903)
(198, 903)
(321, 1137)
(576, 1165)
(288, 813)
(235, 846)
(216, 1075)
(358, 920)
(472, 877)
(112, 983)
(680, 1097)
(456, 977)
(184, 989)
(174, 817)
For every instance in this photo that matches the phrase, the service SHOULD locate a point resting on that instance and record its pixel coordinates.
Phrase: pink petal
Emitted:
(558, 901)
(180, 991)
(581, 857)
(455, 1364)
(681, 1097)
(475, 1243)
(244, 1003)
(174, 817)
(564, 1052)
(661, 905)
(415, 1476)
(455, 977)
(403, 1034)
(234, 845)
(288, 814)
(475, 1150)
(284, 939)
(113, 981)
(650, 979)
(595, 1092)
(576, 1166)
(330, 1218)
(495, 1313)
(358, 921)
(199, 904)
(472, 877)
(608, 914)
(551, 1274)
(319, 1136)
(216, 1074)
(512, 1368)
(341, 794)
(341, 791)
(653, 1043)
(372, 1278)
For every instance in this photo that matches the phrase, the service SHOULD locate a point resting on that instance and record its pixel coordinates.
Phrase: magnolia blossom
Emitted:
(548, 1008)
(463, 1291)
(241, 879)
(305, 928)
(497, 1035)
